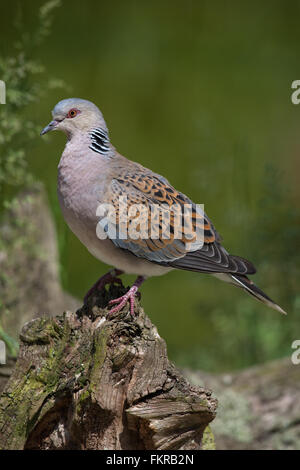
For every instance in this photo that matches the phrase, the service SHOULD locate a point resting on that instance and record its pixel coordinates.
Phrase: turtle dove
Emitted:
(92, 173)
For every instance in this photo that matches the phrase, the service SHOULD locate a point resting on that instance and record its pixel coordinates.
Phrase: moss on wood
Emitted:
(95, 381)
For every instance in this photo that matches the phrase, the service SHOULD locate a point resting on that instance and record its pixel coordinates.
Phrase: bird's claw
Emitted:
(121, 301)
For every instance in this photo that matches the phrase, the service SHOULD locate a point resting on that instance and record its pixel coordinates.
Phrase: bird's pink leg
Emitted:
(130, 295)
(108, 278)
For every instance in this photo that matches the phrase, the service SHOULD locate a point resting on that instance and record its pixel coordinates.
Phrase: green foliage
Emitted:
(25, 83)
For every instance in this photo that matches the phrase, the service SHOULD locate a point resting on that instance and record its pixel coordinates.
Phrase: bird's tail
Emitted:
(246, 284)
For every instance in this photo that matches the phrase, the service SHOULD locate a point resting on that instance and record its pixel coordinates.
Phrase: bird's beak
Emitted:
(51, 126)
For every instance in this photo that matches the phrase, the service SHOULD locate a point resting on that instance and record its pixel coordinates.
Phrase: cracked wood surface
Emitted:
(90, 380)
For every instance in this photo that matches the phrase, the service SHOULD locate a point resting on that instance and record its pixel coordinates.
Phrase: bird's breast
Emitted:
(81, 188)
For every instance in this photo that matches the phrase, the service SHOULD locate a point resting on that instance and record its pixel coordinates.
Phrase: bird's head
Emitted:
(75, 115)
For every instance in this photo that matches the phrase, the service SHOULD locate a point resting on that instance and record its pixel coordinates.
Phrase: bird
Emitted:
(93, 174)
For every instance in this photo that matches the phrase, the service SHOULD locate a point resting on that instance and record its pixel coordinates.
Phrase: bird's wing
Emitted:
(158, 241)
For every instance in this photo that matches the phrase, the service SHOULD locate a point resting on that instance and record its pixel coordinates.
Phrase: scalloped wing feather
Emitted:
(149, 191)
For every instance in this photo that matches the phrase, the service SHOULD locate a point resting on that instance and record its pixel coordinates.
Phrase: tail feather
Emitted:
(245, 283)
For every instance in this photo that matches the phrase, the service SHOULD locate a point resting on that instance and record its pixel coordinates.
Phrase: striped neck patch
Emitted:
(99, 141)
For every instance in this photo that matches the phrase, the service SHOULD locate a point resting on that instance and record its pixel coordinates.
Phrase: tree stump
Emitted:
(91, 380)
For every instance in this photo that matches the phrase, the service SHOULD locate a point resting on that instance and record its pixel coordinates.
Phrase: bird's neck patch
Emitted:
(99, 141)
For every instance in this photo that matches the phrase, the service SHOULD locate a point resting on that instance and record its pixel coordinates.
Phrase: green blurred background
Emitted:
(200, 92)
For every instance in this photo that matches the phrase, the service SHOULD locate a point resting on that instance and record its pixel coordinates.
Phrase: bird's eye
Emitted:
(72, 113)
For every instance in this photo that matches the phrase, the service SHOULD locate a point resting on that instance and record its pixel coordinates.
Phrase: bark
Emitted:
(90, 380)
(29, 266)
(29, 270)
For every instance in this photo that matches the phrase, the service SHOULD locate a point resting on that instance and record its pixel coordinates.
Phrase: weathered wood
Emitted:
(29, 265)
(91, 380)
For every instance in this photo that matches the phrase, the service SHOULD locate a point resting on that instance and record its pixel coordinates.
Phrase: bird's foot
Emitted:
(121, 301)
(109, 278)
(129, 296)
